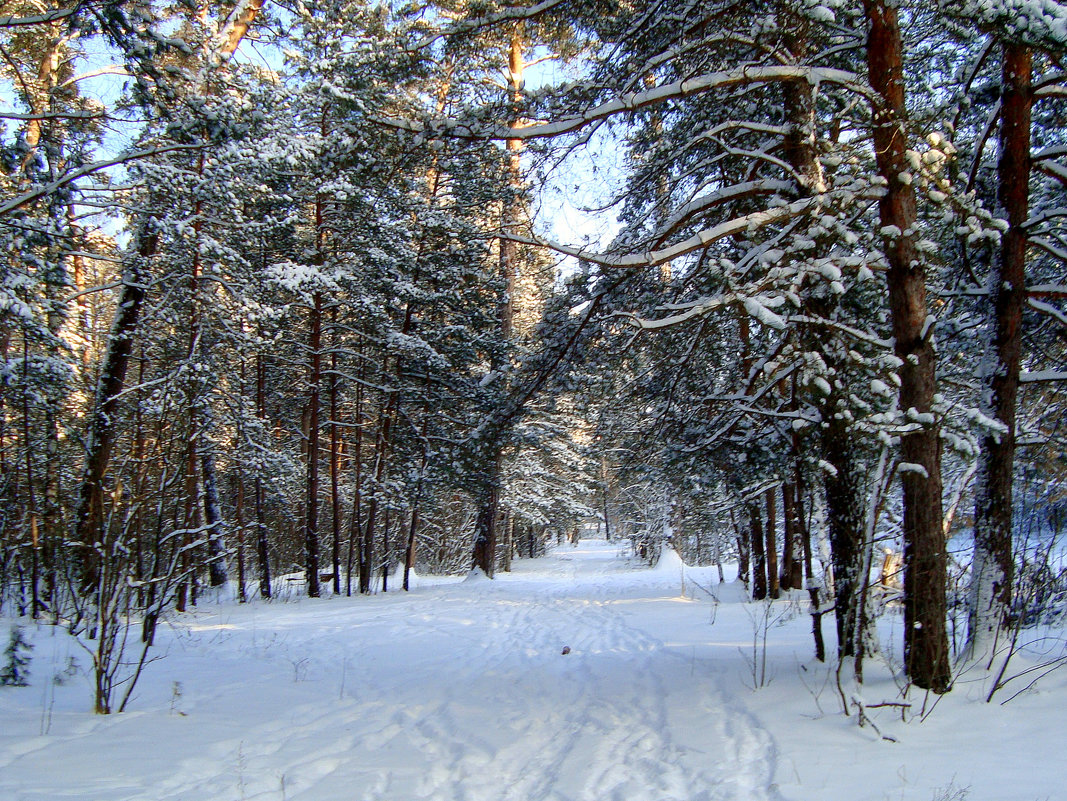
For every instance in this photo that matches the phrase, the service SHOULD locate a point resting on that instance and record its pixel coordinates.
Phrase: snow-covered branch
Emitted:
(635, 101)
(510, 14)
(746, 224)
(44, 190)
(1043, 376)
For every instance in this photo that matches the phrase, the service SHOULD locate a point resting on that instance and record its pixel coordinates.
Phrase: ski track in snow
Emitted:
(452, 693)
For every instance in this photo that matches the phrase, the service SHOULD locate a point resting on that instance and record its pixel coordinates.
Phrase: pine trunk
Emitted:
(485, 527)
(216, 544)
(759, 554)
(239, 519)
(925, 637)
(366, 571)
(262, 543)
(743, 558)
(771, 527)
(992, 569)
(356, 520)
(335, 463)
(792, 561)
(311, 517)
(104, 418)
(845, 522)
(485, 534)
(409, 552)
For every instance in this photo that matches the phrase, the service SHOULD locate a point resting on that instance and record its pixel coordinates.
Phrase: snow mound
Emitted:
(476, 574)
(669, 562)
(396, 579)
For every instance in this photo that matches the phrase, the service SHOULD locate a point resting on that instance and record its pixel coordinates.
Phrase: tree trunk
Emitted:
(485, 527)
(409, 552)
(509, 548)
(845, 521)
(604, 482)
(742, 549)
(816, 622)
(262, 543)
(386, 547)
(31, 499)
(801, 152)
(759, 554)
(366, 573)
(104, 418)
(239, 519)
(803, 529)
(356, 520)
(216, 544)
(992, 568)
(485, 535)
(772, 545)
(792, 560)
(335, 462)
(925, 637)
(311, 518)
(186, 591)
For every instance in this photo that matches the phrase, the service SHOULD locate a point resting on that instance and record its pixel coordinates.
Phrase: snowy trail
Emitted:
(457, 692)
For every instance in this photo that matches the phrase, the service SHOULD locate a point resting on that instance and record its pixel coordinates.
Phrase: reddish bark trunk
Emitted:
(925, 637)
(993, 566)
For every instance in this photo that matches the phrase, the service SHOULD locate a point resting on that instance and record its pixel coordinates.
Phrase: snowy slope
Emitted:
(461, 690)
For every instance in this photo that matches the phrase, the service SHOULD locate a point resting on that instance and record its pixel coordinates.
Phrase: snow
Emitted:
(461, 690)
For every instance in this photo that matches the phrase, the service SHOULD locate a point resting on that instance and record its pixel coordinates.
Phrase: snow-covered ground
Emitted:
(462, 690)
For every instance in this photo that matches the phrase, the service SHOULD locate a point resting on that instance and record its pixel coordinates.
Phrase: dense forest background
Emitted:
(280, 302)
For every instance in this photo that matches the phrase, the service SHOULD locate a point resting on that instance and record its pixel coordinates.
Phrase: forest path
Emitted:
(454, 692)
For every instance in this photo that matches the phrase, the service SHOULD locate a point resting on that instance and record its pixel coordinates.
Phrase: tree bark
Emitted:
(103, 420)
(509, 547)
(742, 550)
(356, 521)
(409, 552)
(804, 530)
(925, 637)
(366, 572)
(992, 568)
(845, 521)
(239, 519)
(311, 514)
(759, 554)
(262, 543)
(485, 527)
(792, 562)
(216, 544)
(771, 527)
(335, 462)
(485, 538)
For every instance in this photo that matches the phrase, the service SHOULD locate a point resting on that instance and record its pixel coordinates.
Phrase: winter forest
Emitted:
(409, 306)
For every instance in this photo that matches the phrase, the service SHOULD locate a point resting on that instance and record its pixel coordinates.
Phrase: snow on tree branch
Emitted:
(746, 224)
(635, 101)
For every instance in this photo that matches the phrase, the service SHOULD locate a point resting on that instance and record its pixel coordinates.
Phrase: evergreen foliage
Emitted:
(16, 668)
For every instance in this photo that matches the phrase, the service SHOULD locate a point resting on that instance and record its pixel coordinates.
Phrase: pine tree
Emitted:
(16, 667)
